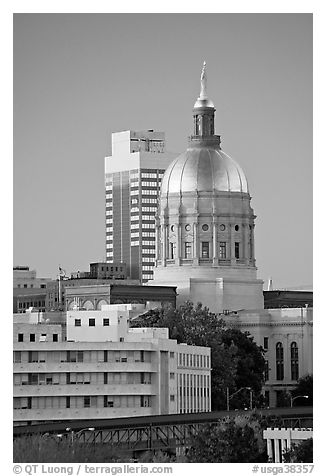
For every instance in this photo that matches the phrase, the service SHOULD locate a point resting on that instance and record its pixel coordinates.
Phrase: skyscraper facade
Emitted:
(133, 176)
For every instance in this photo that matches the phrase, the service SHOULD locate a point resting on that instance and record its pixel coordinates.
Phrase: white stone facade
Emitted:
(286, 335)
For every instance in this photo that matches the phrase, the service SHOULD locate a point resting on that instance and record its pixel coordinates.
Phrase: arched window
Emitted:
(279, 361)
(294, 361)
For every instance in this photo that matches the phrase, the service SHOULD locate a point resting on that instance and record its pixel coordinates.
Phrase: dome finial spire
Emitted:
(203, 82)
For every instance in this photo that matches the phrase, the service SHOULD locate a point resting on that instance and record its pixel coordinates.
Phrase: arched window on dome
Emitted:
(279, 361)
(294, 361)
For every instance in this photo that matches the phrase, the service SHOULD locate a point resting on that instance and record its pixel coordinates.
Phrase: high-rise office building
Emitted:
(133, 175)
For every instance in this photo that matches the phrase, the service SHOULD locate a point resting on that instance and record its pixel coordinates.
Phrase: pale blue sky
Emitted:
(80, 77)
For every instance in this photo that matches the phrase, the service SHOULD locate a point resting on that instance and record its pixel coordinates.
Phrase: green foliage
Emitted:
(300, 453)
(51, 449)
(236, 360)
(304, 387)
(236, 440)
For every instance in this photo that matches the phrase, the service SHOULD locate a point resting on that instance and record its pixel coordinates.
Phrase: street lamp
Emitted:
(299, 396)
(74, 434)
(228, 396)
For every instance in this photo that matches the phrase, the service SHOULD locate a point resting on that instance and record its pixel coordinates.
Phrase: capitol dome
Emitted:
(205, 222)
(203, 169)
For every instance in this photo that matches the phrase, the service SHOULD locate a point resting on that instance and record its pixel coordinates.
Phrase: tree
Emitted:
(300, 453)
(237, 440)
(52, 449)
(236, 360)
(304, 387)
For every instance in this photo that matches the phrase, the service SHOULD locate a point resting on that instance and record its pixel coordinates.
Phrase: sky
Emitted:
(80, 77)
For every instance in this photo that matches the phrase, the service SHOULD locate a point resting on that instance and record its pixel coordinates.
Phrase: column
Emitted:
(269, 449)
(277, 450)
(232, 255)
(196, 245)
(215, 249)
(253, 243)
(245, 237)
(164, 250)
(178, 250)
(157, 243)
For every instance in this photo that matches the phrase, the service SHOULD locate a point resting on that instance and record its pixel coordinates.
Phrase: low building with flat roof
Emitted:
(97, 367)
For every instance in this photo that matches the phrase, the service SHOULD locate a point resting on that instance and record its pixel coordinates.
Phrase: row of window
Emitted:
(38, 337)
(92, 322)
(206, 227)
(87, 356)
(294, 362)
(193, 360)
(205, 250)
(87, 401)
(26, 305)
(83, 378)
(42, 286)
(194, 393)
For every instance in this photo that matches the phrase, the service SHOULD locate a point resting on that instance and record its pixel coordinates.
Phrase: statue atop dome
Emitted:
(203, 82)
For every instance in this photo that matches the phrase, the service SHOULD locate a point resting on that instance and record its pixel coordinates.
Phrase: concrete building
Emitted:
(104, 369)
(93, 296)
(205, 225)
(133, 176)
(286, 336)
(28, 289)
(24, 278)
(287, 298)
(98, 274)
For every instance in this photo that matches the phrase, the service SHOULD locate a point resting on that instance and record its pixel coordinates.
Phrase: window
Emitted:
(187, 250)
(25, 285)
(205, 249)
(172, 355)
(106, 322)
(237, 250)
(17, 357)
(279, 361)
(87, 402)
(43, 286)
(77, 322)
(91, 322)
(172, 375)
(222, 250)
(20, 337)
(266, 371)
(205, 227)
(265, 343)
(172, 247)
(266, 398)
(32, 337)
(55, 337)
(171, 398)
(294, 361)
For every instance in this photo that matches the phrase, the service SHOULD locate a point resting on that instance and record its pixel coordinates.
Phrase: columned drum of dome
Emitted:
(205, 223)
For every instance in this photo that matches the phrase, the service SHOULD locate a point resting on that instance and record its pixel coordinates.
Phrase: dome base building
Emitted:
(205, 223)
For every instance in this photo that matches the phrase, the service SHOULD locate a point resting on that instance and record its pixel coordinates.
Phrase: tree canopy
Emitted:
(236, 440)
(236, 360)
(300, 453)
(303, 387)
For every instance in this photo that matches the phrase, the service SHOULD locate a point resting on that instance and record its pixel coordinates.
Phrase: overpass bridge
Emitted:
(158, 432)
